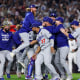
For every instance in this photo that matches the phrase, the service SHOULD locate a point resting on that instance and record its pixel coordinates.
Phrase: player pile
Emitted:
(36, 42)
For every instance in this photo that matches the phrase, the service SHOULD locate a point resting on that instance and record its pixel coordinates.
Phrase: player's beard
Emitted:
(72, 28)
(35, 32)
(44, 25)
(7, 30)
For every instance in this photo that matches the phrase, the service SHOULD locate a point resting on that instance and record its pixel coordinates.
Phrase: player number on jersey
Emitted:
(43, 41)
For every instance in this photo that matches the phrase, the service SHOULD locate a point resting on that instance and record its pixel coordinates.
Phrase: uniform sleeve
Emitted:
(56, 30)
(31, 18)
(52, 42)
(47, 33)
(75, 34)
(16, 41)
(71, 37)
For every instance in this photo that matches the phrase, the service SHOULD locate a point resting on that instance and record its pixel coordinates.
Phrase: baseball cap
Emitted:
(75, 23)
(48, 19)
(60, 19)
(53, 15)
(36, 24)
(33, 6)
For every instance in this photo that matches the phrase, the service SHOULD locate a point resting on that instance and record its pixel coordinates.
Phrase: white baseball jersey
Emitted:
(43, 38)
(72, 45)
(76, 35)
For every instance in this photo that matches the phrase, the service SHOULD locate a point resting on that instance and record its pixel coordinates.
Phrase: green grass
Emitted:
(76, 76)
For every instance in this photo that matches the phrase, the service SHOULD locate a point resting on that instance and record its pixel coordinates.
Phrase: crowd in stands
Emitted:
(14, 10)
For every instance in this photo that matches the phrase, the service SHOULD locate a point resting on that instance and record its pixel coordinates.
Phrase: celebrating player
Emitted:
(24, 31)
(72, 53)
(62, 50)
(5, 48)
(76, 35)
(44, 38)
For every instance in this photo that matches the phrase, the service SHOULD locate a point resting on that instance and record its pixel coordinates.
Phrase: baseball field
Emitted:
(76, 76)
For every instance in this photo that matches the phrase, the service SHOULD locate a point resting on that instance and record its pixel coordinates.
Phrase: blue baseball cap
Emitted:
(33, 6)
(36, 24)
(75, 23)
(53, 15)
(48, 19)
(60, 19)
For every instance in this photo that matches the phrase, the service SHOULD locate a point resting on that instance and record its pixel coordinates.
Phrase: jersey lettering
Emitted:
(5, 37)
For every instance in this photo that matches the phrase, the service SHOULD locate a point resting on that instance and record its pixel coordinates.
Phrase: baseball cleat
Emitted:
(63, 77)
(12, 55)
(8, 75)
(22, 64)
(28, 78)
(1, 78)
(45, 77)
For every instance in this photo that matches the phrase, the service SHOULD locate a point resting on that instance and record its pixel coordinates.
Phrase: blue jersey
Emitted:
(28, 21)
(61, 39)
(17, 39)
(6, 42)
(50, 29)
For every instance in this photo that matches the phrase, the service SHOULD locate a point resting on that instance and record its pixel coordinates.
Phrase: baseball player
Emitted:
(72, 53)
(22, 58)
(5, 49)
(76, 35)
(24, 31)
(44, 38)
(48, 25)
(30, 53)
(62, 50)
(17, 42)
(53, 16)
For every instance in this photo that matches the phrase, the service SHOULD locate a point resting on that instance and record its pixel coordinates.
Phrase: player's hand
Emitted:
(53, 50)
(62, 30)
(34, 56)
(73, 50)
(66, 30)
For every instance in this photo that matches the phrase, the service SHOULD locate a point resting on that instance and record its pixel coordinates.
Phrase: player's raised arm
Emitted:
(63, 31)
(74, 35)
